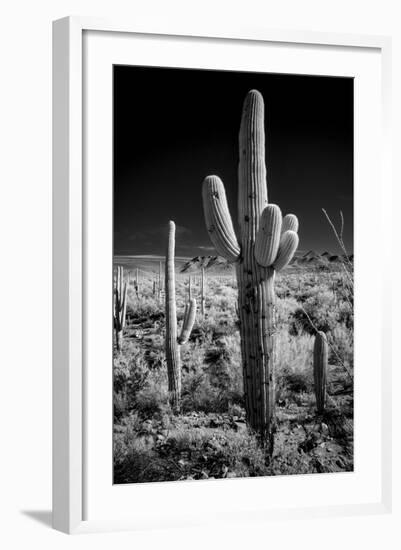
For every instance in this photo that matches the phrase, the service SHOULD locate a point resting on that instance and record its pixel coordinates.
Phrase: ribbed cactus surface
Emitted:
(265, 244)
(290, 222)
(173, 342)
(267, 240)
(218, 219)
(320, 361)
(288, 245)
(188, 322)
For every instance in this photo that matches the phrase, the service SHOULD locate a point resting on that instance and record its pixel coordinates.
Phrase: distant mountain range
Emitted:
(315, 259)
(208, 262)
(301, 259)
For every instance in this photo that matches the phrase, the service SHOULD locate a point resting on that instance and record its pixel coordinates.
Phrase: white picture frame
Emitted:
(70, 258)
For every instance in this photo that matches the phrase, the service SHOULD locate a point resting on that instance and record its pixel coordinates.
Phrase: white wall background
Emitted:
(25, 217)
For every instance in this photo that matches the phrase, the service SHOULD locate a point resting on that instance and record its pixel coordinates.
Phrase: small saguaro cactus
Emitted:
(320, 360)
(120, 306)
(203, 291)
(160, 287)
(136, 282)
(174, 342)
(266, 243)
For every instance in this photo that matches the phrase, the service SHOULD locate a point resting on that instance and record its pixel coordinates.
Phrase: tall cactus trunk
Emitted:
(256, 283)
(174, 342)
(172, 348)
(256, 308)
(320, 360)
(266, 244)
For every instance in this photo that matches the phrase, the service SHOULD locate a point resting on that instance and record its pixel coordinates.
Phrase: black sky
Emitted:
(173, 127)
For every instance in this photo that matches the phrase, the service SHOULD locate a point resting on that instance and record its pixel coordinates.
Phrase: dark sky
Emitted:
(173, 127)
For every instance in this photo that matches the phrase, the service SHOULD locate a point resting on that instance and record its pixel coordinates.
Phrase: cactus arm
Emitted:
(218, 220)
(188, 323)
(290, 223)
(252, 191)
(268, 236)
(187, 304)
(320, 361)
(288, 245)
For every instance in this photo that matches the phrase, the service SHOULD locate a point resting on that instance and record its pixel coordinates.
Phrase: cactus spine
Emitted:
(120, 306)
(261, 248)
(174, 342)
(320, 360)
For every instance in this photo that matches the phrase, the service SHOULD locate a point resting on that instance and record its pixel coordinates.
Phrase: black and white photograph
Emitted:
(233, 274)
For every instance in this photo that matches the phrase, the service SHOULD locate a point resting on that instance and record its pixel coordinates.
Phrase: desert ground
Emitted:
(209, 437)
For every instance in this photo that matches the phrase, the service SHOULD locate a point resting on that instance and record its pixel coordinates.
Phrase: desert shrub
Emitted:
(130, 375)
(120, 408)
(153, 397)
(187, 452)
(324, 314)
(219, 452)
(212, 379)
(341, 346)
(294, 364)
(245, 456)
(225, 368)
(197, 393)
(137, 461)
(236, 410)
(154, 351)
(146, 312)
(214, 325)
(140, 379)
(286, 308)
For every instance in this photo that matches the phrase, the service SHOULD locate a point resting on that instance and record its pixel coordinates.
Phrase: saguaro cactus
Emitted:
(120, 305)
(203, 290)
(173, 343)
(160, 282)
(136, 282)
(320, 360)
(266, 243)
